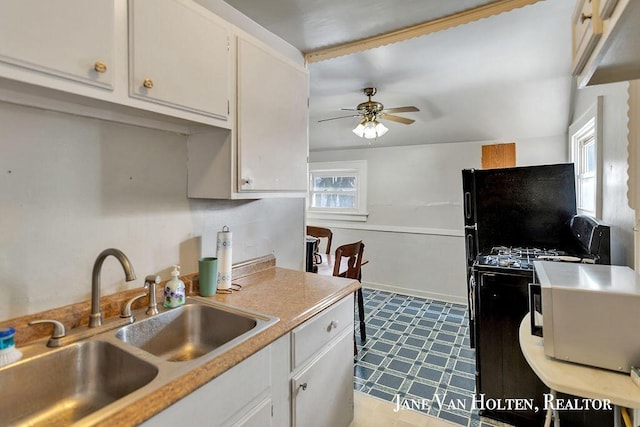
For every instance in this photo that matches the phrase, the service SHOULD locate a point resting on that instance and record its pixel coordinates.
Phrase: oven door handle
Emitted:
(472, 298)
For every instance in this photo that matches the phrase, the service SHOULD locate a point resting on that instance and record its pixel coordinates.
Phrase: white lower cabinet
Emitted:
(322, 392)
(271, 389)
(322, 364)
(239, 397)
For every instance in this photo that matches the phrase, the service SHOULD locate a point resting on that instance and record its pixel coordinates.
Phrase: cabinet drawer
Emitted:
(587, 30)
(312, 335)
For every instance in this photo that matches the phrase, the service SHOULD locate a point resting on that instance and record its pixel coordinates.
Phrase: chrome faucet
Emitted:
(95, 318)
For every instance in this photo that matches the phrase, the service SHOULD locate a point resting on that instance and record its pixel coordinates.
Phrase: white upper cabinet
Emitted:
(179, 56)
(606, 34)
(265, 153)
(68, 39)
(171, 65)
(587, 30)
(272, 120)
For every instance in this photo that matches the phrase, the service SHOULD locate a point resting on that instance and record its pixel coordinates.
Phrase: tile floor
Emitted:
(418, 350)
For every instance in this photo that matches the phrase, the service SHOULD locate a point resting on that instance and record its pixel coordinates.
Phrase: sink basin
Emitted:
(60, 387)
(193, 330)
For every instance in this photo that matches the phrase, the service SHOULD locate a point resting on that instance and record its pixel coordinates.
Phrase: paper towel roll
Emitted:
(223, 253)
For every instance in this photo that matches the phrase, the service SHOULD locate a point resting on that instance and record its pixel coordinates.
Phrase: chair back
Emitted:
(354, 252)
(321, 232)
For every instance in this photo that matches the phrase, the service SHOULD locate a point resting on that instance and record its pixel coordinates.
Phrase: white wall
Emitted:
(615, 209)
(414, 234)
(71, 187)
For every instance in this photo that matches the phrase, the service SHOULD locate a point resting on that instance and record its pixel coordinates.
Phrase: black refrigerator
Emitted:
(516, 207)
(528, 208)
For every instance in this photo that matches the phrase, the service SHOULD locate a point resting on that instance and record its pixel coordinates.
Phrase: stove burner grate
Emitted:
(515, 257)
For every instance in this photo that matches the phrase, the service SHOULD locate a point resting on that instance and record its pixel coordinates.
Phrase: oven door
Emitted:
(535, 308)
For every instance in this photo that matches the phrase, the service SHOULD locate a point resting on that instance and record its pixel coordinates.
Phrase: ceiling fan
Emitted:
(371, 112)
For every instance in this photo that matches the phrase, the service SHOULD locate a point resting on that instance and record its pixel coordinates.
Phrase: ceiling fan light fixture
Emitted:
(381, 129)
(370, 129)
(359, 130)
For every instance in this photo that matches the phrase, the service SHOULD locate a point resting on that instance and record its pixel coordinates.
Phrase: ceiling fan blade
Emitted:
(348, 109)
(408, 109)
(341, 117)
(398, 119)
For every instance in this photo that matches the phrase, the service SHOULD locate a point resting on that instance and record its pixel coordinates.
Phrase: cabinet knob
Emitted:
(148, 83)
(333, 325)
(584, 17)
(303, 386)
(100, 67)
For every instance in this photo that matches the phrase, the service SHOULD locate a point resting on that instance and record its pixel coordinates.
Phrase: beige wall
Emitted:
(71, 187)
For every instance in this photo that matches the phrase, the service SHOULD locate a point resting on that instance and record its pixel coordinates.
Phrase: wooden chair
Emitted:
(354, 252)
(321, 232)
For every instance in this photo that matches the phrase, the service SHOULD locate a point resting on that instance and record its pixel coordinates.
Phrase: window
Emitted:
(338, 190)
(586, 157)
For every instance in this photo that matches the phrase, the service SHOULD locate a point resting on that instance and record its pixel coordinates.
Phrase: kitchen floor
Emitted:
(417, 358)
(374, 412)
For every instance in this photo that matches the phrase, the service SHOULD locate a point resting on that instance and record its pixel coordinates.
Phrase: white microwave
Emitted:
(587, 314)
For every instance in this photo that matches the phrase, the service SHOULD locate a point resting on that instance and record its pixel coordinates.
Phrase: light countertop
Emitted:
(292, 296)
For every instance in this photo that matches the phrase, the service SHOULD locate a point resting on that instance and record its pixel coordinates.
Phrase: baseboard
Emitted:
(415, 293)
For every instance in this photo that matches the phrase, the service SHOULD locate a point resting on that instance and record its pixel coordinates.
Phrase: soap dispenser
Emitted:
(174, 290)
(8, 352)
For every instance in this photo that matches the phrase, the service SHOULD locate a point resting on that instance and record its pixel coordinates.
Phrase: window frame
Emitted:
(583, 132)
(340, 168)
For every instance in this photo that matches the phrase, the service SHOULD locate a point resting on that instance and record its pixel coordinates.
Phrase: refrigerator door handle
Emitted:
(467, 205)
(470, 248)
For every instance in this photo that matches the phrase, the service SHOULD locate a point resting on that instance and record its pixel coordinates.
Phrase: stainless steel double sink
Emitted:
(89, 380)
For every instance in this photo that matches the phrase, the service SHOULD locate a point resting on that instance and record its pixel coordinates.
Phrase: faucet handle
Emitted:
(151, 279)
(126, 309)
(58, 331)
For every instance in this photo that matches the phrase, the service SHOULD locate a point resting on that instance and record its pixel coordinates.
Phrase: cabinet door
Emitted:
(606, 7)
(259, 416)
(587, 30)
(502, 370)
(72, 39)
(272, 121)
(179, 56)
(322, 394)
(240, 396)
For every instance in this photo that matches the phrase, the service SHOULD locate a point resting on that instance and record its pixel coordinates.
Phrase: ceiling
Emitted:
(502, 78)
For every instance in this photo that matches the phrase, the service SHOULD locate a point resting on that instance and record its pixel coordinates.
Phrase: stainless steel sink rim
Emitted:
(167, 371)
(178, 335)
